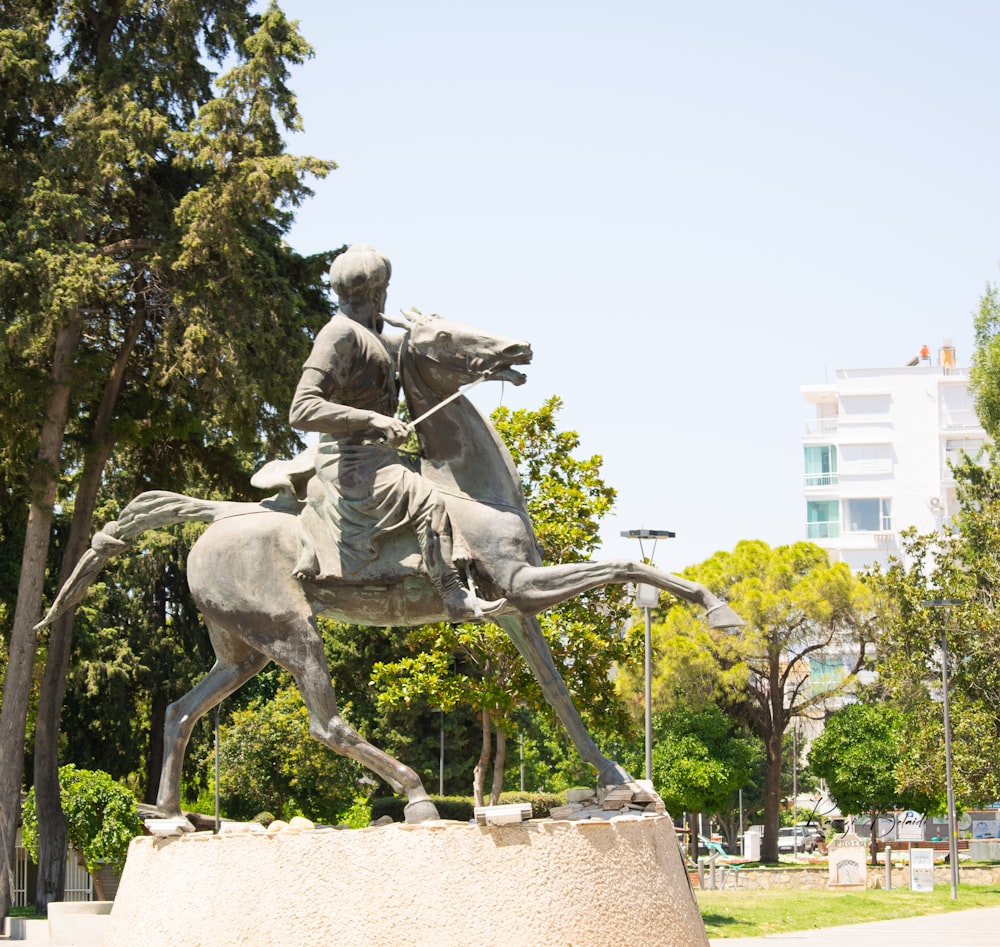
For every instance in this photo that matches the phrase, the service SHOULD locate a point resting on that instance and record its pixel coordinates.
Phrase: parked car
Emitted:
(815, 830)
(795, 840)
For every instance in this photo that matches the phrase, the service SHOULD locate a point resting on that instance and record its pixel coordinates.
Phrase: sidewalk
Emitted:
(977, 927)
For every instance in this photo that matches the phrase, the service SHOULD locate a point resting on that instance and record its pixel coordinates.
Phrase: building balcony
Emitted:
(821, 427)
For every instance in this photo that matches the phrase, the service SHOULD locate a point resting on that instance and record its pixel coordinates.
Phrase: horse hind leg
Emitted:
(534, 588)
(235, 664)
(326, 725)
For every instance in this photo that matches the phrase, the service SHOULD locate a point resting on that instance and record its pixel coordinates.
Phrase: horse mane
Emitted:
(460, 451)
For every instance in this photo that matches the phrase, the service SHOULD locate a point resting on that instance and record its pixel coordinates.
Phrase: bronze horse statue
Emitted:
(241, 569)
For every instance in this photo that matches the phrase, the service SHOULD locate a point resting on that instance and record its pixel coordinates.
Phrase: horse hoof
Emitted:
(722, 616)
(613, 775)
(423, 810)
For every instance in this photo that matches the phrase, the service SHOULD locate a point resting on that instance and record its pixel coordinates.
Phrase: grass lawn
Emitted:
(736, 913)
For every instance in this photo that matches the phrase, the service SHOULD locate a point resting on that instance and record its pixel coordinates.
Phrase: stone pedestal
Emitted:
(78, 923)
(446, 883)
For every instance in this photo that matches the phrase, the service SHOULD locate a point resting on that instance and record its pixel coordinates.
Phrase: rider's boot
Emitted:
(460, 603)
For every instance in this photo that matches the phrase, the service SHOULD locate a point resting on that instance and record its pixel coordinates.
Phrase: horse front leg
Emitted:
(326, 725)
(527, 636)
(532, 589)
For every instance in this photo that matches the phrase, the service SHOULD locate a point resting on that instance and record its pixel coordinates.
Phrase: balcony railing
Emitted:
(820, 427)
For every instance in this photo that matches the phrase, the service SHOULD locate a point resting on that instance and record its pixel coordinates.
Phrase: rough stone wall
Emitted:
(542, 883)
(819, 877)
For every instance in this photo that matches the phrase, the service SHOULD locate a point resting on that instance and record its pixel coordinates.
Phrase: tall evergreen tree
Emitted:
(146, 294)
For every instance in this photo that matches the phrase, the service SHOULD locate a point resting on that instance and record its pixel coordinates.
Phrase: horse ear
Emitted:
(405, 320)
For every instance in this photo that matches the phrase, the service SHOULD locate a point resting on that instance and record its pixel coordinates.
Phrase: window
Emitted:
(821, 466)
(954, 448)
(868, 515)
(822, 519)
(864, 407)
(865, 460)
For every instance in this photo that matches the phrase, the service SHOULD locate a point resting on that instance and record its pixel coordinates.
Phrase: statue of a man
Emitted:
(348, 393)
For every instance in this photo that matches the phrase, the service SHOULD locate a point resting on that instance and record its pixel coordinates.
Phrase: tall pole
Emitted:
(952, 816)
(520, 736)
(946, 604)
(218, 810)
(649, 692)
(795, 788)
(647, 596)
(441, 760)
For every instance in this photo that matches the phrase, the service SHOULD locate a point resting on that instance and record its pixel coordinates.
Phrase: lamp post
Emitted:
(646, 597)
(946, 604)
(438, 710)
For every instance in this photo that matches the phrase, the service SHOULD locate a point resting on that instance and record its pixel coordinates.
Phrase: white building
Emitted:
(877, 452)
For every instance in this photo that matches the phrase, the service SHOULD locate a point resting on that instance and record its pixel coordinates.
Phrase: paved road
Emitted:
(978, 927)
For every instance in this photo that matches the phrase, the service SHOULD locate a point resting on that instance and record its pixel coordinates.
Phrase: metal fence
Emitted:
(79, 884)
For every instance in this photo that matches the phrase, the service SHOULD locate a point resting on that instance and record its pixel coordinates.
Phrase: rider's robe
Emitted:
(363, 490)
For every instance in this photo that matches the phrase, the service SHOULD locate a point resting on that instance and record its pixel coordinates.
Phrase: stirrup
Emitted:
(470, 582)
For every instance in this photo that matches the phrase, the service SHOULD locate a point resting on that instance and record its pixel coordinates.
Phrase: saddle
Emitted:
(323, 552)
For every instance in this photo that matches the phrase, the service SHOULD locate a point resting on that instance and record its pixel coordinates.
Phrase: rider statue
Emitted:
(363, 489)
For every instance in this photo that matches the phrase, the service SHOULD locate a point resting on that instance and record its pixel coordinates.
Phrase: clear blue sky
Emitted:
(690, 210)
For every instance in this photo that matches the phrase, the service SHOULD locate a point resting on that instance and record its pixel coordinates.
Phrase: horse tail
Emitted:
(147, 511)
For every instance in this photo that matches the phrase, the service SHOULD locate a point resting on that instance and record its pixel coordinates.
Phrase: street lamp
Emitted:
(646, 597)
(946, 604)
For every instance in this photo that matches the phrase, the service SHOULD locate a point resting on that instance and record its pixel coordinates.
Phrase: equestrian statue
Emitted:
(357, 531)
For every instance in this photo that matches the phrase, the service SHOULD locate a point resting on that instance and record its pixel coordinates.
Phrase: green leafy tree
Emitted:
(700, 759)
(269, 762)
(797, 608)
(101, 817)
(984, 376)
(477, 665)
(961, 564)
(146, 294)
(860, 754)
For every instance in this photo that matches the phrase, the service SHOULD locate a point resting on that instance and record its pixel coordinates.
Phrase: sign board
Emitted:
(921, 869)
(910, 826)
(984, 828)
(647, 596)
(847, 859)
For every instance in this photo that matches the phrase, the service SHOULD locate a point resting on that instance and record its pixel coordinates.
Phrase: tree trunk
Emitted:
(51, 822)
(154, 759)
(498, 764)
(483, 763)
(23, 636)
(99, 892)
(772, 796)
(51, 884)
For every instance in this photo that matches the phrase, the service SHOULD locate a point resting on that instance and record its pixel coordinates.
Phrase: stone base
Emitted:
(438, 884)
(78, 923)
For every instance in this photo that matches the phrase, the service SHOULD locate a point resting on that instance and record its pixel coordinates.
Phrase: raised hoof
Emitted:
(722, 616)
(423, 810)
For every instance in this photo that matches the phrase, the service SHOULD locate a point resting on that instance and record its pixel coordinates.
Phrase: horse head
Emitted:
(447, 355)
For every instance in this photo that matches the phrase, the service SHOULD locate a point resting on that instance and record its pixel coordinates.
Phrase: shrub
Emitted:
(101, 819)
